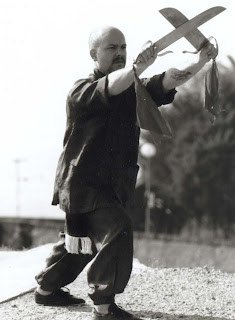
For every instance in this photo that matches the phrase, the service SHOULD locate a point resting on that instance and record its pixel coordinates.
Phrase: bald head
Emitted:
(108, 48)
(99, 34)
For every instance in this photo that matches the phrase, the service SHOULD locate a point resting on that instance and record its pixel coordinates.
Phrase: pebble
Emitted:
(153, 293)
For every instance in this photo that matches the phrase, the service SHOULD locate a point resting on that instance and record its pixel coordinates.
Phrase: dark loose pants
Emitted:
(111, 234)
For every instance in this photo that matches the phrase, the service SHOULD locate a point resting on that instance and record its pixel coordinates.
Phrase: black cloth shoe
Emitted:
(57, 298)
(114, 313)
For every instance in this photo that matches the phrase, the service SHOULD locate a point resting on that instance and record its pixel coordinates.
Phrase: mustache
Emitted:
(118, 59)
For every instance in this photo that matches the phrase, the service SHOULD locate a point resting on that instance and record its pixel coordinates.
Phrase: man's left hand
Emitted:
(207, 53)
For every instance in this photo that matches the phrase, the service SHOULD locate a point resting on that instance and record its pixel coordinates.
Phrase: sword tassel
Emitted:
(211, 100)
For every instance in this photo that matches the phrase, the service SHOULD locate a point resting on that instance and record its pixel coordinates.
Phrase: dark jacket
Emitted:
(98, 166)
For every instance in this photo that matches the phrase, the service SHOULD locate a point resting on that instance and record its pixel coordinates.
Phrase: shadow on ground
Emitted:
(152, 315)
(164, 316)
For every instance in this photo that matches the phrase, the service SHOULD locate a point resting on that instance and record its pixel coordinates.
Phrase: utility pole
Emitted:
(18, 186)
(147, 195)
(148, 151)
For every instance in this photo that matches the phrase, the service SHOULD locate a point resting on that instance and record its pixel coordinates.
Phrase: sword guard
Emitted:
(209, 40)
(159, 55)
(164, 53)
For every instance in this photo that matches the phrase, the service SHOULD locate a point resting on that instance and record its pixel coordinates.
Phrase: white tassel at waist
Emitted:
(76, 245)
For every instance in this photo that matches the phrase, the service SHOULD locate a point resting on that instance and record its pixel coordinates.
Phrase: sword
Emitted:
(185, 28)
(176, 18)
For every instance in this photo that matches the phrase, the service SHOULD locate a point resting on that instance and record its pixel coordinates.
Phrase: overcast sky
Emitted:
(44, 50)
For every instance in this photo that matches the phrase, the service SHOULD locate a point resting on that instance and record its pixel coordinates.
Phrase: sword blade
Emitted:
(187, 27)
(176, 18)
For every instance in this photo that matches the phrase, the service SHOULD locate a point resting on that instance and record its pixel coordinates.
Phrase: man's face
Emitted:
(110, 55)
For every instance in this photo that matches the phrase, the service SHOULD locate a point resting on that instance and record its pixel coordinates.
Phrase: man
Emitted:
(97, 171)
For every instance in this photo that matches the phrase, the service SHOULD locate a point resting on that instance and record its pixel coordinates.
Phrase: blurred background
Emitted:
(183, 213)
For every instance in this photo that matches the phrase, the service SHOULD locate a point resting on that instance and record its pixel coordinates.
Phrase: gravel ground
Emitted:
(160, 293)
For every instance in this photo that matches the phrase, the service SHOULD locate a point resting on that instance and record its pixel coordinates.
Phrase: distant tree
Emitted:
(196, 169)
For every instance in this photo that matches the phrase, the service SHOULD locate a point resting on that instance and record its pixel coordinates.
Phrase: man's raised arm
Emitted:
(121, 79)
(174, 77)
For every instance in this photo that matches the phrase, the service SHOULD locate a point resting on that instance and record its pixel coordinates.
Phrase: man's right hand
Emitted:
(147, 56)
(121, 79)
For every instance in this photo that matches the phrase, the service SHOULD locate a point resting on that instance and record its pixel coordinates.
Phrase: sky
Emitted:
(43, 51)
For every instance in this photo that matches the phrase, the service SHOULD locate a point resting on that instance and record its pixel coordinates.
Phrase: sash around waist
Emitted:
(78, 192)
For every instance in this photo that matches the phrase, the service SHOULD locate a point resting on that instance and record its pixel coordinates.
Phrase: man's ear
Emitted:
(93, 54)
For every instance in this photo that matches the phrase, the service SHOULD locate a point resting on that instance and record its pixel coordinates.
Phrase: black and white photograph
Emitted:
(117, 166)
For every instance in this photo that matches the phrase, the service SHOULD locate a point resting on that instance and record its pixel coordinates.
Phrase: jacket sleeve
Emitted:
(148, 115)
(88, 96)
(155, 89)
